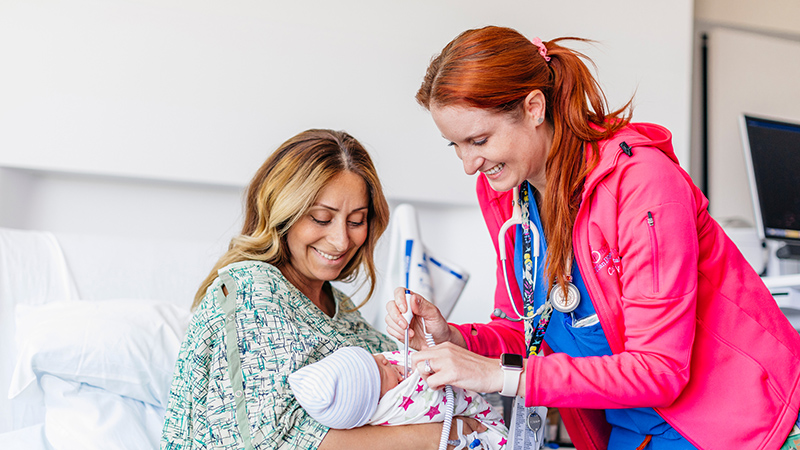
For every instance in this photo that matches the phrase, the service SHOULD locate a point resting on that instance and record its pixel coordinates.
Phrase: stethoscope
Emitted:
(560, 302)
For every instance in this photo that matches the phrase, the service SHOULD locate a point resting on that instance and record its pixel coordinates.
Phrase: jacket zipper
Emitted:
(653, 249)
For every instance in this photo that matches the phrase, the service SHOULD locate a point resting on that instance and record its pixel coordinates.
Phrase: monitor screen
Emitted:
(772, 154)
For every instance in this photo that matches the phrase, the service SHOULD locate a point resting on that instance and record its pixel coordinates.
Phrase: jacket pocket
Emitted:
(661, 251)
(589, 338)
(651, 226)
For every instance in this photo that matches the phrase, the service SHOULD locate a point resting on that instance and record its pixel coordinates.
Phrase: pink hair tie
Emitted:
(542, 49)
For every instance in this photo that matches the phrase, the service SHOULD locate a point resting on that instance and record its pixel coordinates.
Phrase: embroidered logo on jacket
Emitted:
(607, 259)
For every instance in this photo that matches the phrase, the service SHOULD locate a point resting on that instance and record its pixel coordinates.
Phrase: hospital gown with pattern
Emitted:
(222, 396)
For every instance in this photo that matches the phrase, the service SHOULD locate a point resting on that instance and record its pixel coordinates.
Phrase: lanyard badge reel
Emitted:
(526, 430)
(527, 426)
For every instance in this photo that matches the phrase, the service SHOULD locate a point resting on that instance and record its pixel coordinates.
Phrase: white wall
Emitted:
(753, 63)
(115, 206)
(748, 73)
(204, 218)
(776, 17)
(202, 91)
(198, 93)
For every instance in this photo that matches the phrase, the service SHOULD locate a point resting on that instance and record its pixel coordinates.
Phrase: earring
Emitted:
(540, 120)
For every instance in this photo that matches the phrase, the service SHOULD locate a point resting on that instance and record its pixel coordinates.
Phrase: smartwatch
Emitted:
(512, 371)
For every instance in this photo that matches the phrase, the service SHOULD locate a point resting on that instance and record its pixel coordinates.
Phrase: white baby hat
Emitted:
(340, 391)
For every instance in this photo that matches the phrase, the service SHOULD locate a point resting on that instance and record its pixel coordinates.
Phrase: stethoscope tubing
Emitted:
(516, 219)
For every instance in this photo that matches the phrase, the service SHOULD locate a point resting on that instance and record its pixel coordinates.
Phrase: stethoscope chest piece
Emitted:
(565, 304)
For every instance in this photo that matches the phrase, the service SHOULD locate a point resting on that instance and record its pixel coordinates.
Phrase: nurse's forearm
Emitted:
(456, 337)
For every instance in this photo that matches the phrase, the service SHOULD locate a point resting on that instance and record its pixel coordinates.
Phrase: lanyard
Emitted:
(533, 336)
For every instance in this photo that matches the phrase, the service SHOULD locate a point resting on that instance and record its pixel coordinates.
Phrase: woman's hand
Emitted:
(435, 323)
(457, 366)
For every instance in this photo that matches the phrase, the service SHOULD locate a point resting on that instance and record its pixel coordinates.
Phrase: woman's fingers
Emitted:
(432, 364)
(394, 328)
(451, 364)
(396, 324)
(420, 307)
(402, 307)
(424, 367)
(398, 308)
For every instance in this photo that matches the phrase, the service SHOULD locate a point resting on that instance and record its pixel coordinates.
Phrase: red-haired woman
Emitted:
(657, 332)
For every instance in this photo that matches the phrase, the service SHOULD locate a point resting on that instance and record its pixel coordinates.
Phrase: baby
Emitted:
(352, 387)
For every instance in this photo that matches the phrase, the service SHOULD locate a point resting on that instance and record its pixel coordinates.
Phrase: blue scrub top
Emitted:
(629, 426)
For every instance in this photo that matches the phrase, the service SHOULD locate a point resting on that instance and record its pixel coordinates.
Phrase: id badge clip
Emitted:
(527, 426)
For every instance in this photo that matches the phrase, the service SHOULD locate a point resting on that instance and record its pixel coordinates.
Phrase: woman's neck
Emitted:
(537, 197)
(539, 182)
(318, 291)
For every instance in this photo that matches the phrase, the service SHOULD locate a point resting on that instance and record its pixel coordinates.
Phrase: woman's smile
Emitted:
(329, 256)
(494, 170)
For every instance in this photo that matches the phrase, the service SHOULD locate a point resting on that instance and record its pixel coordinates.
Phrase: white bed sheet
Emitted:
(28, 438)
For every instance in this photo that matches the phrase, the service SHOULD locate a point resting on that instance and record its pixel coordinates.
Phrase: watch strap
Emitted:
(510, 381)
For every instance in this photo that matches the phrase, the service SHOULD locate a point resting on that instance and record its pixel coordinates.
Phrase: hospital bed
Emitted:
(88, 339)
(89, 330)
(97, 275)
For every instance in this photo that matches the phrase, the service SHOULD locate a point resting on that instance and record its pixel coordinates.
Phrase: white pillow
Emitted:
(126, 347)
(81, 417)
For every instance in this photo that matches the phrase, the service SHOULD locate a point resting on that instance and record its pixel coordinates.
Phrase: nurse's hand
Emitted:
(435, 323)
(451, 364)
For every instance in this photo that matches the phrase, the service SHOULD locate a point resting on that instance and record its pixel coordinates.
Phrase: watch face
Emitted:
(511, 360)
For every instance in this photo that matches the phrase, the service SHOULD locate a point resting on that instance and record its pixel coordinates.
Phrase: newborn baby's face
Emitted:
(391, 374)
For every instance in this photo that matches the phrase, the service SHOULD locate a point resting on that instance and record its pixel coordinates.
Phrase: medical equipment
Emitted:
(515, 219)
(565, 303)
(448, 392)
(526, 430)
(431, 275)
(408, 316)
(560, 302)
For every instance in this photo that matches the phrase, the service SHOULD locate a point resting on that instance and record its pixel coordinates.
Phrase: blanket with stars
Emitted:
(412, 401)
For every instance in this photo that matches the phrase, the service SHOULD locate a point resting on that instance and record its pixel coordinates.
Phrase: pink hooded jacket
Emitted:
(693, 330)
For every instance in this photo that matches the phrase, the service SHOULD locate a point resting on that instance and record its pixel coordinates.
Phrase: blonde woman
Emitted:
(313, 214)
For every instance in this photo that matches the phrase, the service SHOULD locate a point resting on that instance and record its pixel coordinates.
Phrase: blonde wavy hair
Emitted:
(286, 186)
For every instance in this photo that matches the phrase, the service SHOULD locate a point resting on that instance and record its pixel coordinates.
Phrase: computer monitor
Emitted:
(772, 155)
